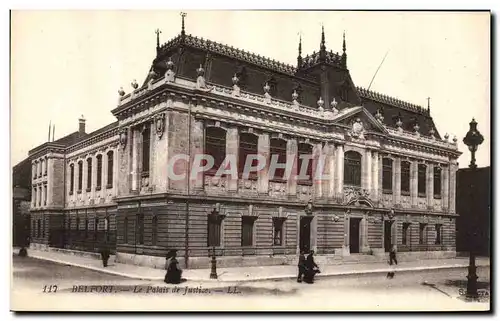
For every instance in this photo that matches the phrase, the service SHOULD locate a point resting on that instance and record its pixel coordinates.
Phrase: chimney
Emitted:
(81, 125)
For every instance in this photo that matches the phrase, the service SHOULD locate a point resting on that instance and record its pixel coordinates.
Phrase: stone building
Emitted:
(391, 174)
(21, 196)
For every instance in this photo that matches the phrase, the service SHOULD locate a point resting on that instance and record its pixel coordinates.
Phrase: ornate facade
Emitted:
(391, 176)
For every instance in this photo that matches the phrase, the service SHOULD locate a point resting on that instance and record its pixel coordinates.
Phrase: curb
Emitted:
(271, 278)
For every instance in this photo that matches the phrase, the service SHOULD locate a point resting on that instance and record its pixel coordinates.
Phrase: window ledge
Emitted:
(88, 189)
(437, 197)
(145, 174)
(405, 193)
(98, 188)
(387, 191)
(108, 186)
(421, 195)
(306, 183)
(70, 192)
(79, 191)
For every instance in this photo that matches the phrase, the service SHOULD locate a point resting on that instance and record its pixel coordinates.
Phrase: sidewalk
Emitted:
(244, 274)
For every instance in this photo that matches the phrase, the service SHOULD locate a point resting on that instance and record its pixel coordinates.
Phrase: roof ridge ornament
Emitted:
(183, 30)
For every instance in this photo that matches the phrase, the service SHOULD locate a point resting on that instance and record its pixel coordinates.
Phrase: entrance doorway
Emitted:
(305, 234)
(387, 235)
(354, 225)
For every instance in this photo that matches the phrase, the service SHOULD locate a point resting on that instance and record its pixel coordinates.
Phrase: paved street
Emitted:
(424, 290)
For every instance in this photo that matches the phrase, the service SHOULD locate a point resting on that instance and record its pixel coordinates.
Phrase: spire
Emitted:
(157, 31)
(428, 105)
(322, 47)
(344, 55)
(53, 131)
(50, 125)
(299, 58)
(183, 30)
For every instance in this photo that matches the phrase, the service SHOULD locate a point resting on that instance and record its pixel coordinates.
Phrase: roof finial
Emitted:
(183, 31)
(343, 42)
(157, 31)
(322, 47)
(299, 58)
(428, 104)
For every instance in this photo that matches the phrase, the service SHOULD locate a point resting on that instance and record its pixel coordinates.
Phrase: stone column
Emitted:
(345, 247)
(291, 162)
(263, 174)
(375, 174)
(317, 170)
(444, 188)
(414, 183)
(365, 247)
(134, 148)
(232, 145)
(453, 186)
(77, 176)
(50, 178)
(430, 186)
(328, 186)
(197, 149)
(104, 172)
(366, 170)
(396, 181)
(339, 174)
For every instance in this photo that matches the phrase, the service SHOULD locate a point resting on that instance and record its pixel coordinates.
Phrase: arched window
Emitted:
(405, 178)
(72, 178)
(422, 169)
(99, 173)
(387, 175)
(437, 182)
(80, 176)
(248, 146)
(215, 146)
(304, 158)
(352, 168)
(278, 150)
(154, 230)
(89, 174)
(109, 183)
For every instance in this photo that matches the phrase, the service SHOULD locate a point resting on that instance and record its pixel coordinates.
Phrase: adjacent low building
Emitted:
(392, 176)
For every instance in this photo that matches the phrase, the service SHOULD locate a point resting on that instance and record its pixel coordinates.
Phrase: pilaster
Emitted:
(291, 161)
(396, 181)
(430, 186)
(414, 183)
(453, 187)
(232, 143)
(197, 150)
(318, 166)
(263, 174)
(375, 179)
(339, 174)
(445, 182)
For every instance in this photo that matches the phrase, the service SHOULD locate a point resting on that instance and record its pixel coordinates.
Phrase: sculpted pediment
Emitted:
(360, 121)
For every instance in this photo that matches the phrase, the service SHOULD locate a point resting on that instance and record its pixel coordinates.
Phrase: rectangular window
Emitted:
(45, 194)
(405, 178)
(278, 231)
(154, 230)
(140, 228)
(387, 175)
(406, 230)
(99, 172)
(247, 230)
(439, 228)
(34, 196)
(437, 182)
(422, 237)
(146, 139)
(422, 169)
(214, 230)
(125, 230)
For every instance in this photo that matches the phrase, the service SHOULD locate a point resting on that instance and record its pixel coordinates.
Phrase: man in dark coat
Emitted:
(301, 266)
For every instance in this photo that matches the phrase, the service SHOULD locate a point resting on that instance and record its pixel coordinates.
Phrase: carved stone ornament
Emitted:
(160, 124)
(357, 129)
(123, 138)
(334, 104)
(446, 136)
(134, 84)
(379, 116)
(236, 88)
(432, 133)
(309, 208)
(399, 125)
(170, 74)
(355, 194)
(321, 103)
(121, 92)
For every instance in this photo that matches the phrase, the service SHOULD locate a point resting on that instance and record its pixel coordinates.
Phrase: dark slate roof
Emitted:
(223, 62)
(21, 174)
(71, 139)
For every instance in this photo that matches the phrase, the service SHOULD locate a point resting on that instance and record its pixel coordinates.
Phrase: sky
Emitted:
(65, 64)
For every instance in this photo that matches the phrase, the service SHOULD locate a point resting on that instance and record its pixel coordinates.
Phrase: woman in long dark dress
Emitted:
(174, 273)
(311, 268)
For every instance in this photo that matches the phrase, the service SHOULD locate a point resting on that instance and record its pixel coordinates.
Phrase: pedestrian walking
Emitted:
(301, 266)
(174, 273)
(392, 259)
(311, 268)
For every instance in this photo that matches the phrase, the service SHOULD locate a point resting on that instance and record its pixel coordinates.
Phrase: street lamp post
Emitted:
(473, 139)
